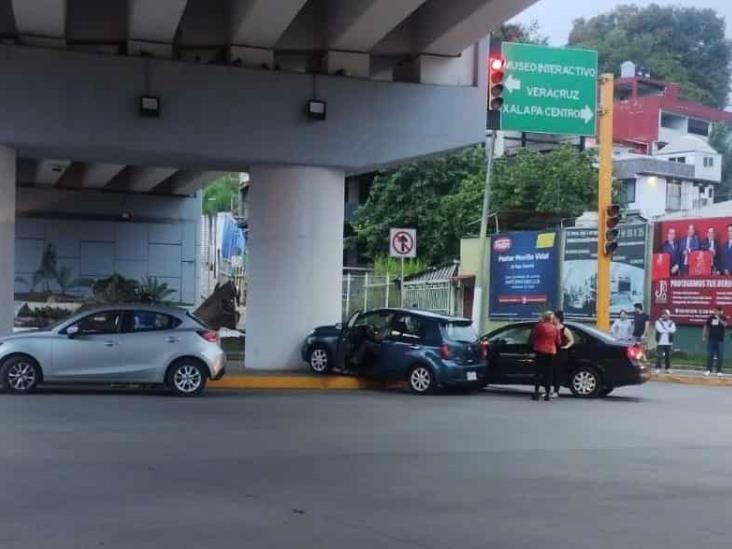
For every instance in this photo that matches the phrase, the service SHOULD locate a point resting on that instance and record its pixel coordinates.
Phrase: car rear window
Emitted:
(198, 320)
(460, 331)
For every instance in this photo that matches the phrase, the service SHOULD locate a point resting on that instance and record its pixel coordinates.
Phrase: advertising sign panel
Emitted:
(524, 274)
(579, 274)
(692, 268)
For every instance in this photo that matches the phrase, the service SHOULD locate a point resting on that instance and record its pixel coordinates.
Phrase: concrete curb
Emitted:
(296, 382)
(691, 379)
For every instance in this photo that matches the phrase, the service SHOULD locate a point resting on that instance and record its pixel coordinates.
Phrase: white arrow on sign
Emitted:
(512, 84)
(587, 114)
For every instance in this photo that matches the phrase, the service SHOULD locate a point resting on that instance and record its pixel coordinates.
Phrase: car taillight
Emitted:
(209, 335)
(484, 348)
(445, 351)
(634, 352)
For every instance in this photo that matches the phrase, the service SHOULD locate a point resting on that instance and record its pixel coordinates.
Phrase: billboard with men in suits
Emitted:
(692, 268)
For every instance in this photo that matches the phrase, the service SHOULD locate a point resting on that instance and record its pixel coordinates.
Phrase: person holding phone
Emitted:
(713, 334)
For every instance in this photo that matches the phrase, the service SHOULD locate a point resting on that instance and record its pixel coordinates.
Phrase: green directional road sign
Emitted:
(549, 90)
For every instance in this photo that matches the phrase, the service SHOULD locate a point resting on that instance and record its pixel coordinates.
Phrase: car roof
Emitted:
(151, 307)
(425, 314)
(569, 323)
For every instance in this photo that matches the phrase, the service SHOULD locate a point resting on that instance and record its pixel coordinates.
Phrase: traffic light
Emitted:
(612, 220)
(496, 71)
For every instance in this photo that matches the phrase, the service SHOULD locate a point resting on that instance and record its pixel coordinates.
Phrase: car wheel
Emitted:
(585, 382)
(421, 380)
(606, 391)
(319, 360)
(186, 378)
(20, 375)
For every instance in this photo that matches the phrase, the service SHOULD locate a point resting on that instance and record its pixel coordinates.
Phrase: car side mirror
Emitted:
(72, 331)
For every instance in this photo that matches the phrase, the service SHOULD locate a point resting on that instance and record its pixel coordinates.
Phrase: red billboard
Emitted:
(692, 268)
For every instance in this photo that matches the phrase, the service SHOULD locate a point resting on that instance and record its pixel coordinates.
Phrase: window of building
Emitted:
(708, 161)
(679, 159)
(626, 191)
(698, 127)
(673, 196)
(672, 121)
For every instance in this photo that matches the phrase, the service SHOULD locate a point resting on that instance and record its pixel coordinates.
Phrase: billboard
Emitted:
(579, 274)
(524, 271)
(692, 268)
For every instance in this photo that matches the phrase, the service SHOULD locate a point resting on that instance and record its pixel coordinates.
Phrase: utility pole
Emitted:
(481, 287)
(604, 198)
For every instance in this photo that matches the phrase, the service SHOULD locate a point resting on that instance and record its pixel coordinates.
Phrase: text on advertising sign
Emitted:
(549, 90)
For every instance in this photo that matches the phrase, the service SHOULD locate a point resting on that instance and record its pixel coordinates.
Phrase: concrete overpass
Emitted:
(401, 79)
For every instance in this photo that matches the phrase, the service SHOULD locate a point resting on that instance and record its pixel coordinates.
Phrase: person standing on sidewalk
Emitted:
(545, 341)
(640, 324)
(665, 330)
(566, 340)
(622, 328)
(713, 334)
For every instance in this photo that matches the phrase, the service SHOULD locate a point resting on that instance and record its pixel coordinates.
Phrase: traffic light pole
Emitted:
(604, 198)
(480, 295)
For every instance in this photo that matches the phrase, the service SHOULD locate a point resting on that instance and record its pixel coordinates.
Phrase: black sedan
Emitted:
(597, 363)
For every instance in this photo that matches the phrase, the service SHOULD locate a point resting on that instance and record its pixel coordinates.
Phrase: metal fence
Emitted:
(366, 291)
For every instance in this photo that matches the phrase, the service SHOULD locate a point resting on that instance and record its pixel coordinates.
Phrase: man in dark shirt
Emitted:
(713, 334)
(640, 324)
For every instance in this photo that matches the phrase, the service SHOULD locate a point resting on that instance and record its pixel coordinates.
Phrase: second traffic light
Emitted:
(496, 71)
(612, 220)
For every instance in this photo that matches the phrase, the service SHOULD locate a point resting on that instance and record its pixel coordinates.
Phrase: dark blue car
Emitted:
(429, 351)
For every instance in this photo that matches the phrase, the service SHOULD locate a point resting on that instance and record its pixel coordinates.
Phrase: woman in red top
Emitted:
(545, 340)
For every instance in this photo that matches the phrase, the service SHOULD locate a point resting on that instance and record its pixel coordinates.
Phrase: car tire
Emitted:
(319, 360)
(421, 380)
(20, 375)
(606, 391)
(586, 382)
(186, 378)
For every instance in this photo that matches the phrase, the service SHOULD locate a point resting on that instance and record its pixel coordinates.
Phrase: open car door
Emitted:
(343, 347)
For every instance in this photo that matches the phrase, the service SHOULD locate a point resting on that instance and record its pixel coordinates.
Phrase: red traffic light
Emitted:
(496, 65)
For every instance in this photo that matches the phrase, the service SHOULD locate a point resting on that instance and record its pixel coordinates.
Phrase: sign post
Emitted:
(402, 244)
(548, 90)
(534, 89)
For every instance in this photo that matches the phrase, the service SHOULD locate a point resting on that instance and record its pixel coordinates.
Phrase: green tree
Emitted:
(442, 198)
(562, 181)
(685, 45)
(221, 195)
(520, 32)
(721, 140)
(414, 195)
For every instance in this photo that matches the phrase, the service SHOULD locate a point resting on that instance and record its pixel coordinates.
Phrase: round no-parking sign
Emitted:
(403, 243)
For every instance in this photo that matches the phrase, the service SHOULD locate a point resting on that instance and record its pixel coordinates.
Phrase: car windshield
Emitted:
(460, 331)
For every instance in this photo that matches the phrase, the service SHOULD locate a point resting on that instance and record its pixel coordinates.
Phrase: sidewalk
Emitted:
(691, 377)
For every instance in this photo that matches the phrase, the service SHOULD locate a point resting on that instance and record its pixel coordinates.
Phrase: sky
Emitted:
(555, 16)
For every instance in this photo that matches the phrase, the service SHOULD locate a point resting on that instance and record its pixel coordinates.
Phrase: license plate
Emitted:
(472, 376)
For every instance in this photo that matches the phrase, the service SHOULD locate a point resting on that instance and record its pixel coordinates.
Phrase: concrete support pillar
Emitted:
(295, 260)
(7, 238)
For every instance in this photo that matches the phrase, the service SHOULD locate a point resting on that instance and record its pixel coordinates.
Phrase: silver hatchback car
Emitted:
(135, 344)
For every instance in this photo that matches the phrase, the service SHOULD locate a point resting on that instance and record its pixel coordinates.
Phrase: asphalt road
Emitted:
(650, 467)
